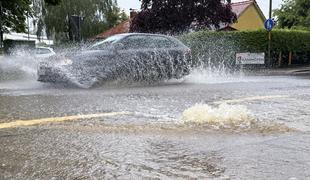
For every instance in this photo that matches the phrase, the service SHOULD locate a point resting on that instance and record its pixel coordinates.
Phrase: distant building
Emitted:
(24, 36)
(118, 29)
(249, 17)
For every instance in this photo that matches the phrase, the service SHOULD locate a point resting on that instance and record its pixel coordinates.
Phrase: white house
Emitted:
(24, 36)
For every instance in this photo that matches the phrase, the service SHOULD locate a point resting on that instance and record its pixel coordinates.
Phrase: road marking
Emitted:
(254, 98)
(20, 123)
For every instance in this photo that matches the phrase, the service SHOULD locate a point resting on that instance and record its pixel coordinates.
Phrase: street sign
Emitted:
(250, 58)
(269, 24)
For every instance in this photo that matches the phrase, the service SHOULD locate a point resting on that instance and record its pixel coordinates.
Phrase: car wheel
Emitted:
(86, 82)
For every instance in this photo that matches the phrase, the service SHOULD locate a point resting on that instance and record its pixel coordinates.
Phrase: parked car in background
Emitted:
(44, 52)
(133, 56)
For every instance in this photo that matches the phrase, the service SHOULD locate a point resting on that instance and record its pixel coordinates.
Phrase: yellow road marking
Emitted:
(20, 123)
(254, 98)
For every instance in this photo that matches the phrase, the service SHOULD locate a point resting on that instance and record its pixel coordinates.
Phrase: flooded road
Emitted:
(201, 127)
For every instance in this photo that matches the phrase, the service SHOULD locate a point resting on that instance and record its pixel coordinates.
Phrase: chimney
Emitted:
(133, 13)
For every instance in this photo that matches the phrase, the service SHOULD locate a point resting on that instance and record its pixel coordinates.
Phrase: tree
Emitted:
(97, 15)
(13, 14)
(177, 16)
(294, 14)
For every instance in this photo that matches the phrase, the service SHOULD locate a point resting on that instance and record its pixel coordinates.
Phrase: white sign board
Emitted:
(250, 58)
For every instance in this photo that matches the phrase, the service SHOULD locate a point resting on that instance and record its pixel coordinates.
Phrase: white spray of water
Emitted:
(229, 117)
(213, 76)
(19, 66)
(19, 71)
(226, 116)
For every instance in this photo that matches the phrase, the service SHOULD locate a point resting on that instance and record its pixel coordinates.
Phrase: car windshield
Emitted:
(42, 51)
(106, 43)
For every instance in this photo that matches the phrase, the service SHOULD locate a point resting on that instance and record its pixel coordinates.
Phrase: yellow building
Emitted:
(249, 16)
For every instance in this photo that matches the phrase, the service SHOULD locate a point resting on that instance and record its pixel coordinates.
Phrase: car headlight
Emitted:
(65, 62)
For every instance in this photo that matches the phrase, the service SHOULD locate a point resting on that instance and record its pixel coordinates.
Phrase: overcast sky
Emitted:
(264, 4)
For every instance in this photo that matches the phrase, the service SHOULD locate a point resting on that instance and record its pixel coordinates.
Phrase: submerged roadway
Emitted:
(202, 127)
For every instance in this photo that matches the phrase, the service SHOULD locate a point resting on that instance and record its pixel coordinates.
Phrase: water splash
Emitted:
(222, 116)
(228, 117)
(18, 67)
(211, 75)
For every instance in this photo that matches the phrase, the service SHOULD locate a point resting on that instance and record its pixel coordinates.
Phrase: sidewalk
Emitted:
(300, 70)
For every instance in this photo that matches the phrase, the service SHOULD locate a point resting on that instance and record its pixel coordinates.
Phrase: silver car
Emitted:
(44, 52)
(130, 57)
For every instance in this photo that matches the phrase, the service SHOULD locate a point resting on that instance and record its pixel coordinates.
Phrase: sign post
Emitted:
(1, 24)
(269, 24)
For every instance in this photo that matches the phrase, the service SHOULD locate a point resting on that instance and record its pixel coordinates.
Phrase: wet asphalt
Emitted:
(135, 131)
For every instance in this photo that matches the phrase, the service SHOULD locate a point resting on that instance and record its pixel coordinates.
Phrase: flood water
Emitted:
(205, 126)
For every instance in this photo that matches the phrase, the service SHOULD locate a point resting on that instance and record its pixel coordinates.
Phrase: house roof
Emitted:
(118, 29)
(239, 8)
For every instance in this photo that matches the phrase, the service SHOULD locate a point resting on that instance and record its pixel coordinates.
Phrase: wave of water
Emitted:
(18, 67)
(228, 117)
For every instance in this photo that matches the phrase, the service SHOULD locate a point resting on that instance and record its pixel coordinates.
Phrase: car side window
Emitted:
(147, 42)
(42, 51)
(134, 42)
(137, 42)
(162, 42)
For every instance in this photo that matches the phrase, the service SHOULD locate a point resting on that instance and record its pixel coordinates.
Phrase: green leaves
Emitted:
(98, 16)
(14, 14)
(53, 15)
(294, 14)
(177, 16)
(53, 2)
(229, 43)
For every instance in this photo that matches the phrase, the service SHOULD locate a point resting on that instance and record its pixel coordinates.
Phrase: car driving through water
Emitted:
(132, 57)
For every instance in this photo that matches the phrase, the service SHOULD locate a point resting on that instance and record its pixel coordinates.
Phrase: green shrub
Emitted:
(220, 47)
(11, 45)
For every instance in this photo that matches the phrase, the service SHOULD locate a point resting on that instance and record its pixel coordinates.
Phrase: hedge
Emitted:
(11, 45)
(221, 47)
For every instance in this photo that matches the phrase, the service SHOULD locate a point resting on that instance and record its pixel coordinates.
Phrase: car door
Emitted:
(136, 58)
(168, 56)
(174, 56)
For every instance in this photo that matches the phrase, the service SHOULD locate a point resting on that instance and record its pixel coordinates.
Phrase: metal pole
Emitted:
(269, 35)
(270, 9)
(80, 35)
(1, 28)
(28, 26)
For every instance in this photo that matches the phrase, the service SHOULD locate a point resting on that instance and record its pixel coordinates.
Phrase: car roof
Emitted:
(141, 34)
(42, 47)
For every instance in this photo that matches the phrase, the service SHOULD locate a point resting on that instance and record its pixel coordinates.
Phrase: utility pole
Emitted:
(80, 31)
(269, 35)
(1, 24)
(28, 26)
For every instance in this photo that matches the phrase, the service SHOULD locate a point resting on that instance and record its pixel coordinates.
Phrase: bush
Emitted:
(11, 45)
(220, 47)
